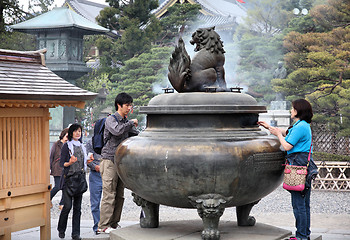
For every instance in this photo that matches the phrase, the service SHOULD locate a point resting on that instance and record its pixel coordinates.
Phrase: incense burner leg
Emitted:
(210, 208)
(149, 217)
(243, 218)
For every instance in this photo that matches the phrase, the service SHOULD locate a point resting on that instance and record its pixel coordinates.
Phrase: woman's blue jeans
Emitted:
(301, 210)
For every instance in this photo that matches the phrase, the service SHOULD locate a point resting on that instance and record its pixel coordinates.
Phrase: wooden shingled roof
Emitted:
(25, 81)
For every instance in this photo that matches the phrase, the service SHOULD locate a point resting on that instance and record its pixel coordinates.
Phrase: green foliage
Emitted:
(44, 5)
(303, 24)
(133, 42)
(107, 18)
(258, 60)
(323, 156)
(319, 66)
(17, 41)
(266, 17)
(318, 63)
(10, 13)
(332, 15)
(139, 75)
(260, 44)
(153, 30)
(136, 25)
(179, 16)
(140, 9)
(93, 82)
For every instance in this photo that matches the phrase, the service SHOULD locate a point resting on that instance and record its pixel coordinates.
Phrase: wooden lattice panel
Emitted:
(24, 170)
(332, 176)
(325, 140)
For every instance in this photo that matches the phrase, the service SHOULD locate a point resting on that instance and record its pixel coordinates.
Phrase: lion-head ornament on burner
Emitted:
(206, 68)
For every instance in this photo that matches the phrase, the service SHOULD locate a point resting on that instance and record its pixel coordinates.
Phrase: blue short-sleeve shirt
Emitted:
(300, 137)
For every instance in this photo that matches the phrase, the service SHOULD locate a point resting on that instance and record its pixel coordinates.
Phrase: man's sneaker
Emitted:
(116, 226)
(105, 230)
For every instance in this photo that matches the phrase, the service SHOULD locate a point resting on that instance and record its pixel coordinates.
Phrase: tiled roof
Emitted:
(219, 13)
(62, 17)
(24, 76)
(219, 8)
(224, 9)
(85, 8)
(220, 23)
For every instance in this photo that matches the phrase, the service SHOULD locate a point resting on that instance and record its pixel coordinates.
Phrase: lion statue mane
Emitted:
(206, 68)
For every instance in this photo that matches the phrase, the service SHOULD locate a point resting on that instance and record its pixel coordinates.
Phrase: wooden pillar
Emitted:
(45, 231)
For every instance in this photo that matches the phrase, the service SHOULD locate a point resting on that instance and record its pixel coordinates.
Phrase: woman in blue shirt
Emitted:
(297, 141)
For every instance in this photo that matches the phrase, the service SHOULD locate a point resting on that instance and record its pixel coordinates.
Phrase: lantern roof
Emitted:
(24, 79)
(59, 18)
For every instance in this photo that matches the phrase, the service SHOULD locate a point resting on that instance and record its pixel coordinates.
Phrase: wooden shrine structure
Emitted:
(27, 90)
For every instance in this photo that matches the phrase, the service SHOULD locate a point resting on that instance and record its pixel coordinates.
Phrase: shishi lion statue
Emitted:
(206, 68)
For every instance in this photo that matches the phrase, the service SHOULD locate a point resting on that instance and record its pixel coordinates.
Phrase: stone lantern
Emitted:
(61, 32)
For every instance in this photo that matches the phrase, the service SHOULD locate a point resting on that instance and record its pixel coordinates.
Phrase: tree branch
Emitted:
(330, 87)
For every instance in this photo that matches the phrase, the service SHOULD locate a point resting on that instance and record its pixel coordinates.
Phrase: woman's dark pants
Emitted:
(56, 188)
(68, 203)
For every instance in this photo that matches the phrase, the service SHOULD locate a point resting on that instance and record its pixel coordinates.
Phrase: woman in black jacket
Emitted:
(74, 159)
(55, 168)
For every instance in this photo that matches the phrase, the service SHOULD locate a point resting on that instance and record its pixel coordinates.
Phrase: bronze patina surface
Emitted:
(204, 151)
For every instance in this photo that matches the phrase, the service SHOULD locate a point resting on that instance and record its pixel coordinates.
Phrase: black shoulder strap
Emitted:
(115, 117)
(109, 134)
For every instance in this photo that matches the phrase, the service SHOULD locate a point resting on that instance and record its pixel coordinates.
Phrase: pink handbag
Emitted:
(295, 176)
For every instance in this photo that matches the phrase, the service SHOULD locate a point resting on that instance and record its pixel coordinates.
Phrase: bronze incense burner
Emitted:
(201, 150)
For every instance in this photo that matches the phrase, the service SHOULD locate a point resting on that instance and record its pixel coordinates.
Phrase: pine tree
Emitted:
(319, 65)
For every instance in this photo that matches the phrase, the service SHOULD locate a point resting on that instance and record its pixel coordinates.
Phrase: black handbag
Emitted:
(76, 184)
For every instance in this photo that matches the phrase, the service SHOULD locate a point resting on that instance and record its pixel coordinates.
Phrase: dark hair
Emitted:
(63, 133)
(304, 110)
(122, 98)
(72, 128)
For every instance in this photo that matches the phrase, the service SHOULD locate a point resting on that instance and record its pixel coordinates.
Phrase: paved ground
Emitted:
(330, 215)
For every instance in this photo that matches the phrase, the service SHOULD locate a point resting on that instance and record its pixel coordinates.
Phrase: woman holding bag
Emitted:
(297, 141)
(74, 159)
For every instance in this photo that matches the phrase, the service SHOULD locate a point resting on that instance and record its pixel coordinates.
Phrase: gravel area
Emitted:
(323, 203)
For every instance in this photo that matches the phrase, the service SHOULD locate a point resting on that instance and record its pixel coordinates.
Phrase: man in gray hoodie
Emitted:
(117, 129)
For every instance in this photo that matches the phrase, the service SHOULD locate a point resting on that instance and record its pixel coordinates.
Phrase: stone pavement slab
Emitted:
(133, 226)
(191, 230)
(86, 232)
